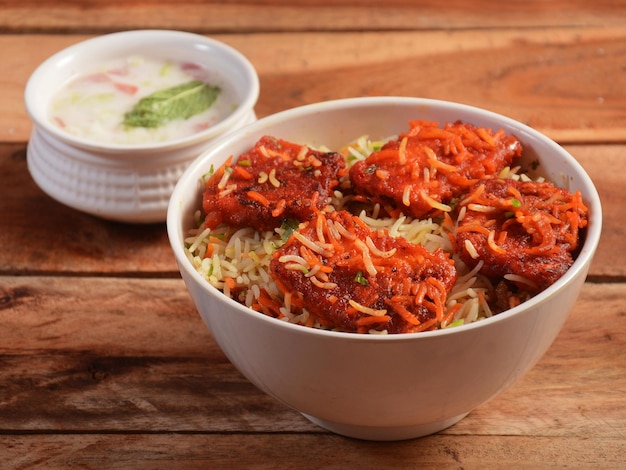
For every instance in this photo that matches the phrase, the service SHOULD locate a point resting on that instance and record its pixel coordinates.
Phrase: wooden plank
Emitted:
(316, 15)
(305, 451)
(89, 392)
(74, 242)
(578, 387)
(104, 362)
(132, 356)
(567, 83)
(122, 355)
(61, 239)
(605, 165)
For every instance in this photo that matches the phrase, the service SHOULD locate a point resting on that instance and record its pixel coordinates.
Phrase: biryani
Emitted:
(435, 227)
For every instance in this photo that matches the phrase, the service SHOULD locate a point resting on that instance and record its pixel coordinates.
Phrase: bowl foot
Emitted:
(385, 433)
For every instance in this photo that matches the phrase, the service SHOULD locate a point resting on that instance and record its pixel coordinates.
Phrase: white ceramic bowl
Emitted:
(126, 182)
(371, 386)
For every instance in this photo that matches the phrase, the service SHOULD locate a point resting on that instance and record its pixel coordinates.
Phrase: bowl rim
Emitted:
(175, 216)
(247, 102)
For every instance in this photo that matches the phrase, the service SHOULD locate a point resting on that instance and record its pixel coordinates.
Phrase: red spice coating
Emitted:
(436, 164)
(274, 181)
(357, 279)
(533, 226)
(410, 286)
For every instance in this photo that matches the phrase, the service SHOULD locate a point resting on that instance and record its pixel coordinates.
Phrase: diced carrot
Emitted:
(404, 313)
(266, 301)
(258, 197)
(449, 315)
(425, 326)
(473, 228)
(280, 208)
(230, 282)
(126, 88)
(242, 172)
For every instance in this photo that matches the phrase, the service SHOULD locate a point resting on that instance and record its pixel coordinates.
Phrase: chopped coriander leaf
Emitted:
(288, 226)
(208, 174)
(360, 279)
(177, 102)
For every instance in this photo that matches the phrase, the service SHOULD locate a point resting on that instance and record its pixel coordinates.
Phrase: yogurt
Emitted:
(93, 105)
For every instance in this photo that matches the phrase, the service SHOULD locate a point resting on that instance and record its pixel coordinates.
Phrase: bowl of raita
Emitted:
(384, 265)
(117, 118)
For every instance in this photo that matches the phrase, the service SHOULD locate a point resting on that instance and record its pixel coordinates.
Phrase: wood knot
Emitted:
(12, 297)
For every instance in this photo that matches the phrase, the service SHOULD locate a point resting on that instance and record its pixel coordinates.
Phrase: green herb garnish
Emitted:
(376, 146)
(289, 226)
(360, 279)
(178, 102)
(208, 174)
(458, 322)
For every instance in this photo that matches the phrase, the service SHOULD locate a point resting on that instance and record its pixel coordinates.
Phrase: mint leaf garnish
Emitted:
(178, 102)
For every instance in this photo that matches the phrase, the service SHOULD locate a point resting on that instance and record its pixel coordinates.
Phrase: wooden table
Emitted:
(104, 362)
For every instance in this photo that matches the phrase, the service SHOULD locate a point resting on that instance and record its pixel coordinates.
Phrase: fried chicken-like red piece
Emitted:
(529, 229)
(355, 279)
(421, 171)
(274, 181)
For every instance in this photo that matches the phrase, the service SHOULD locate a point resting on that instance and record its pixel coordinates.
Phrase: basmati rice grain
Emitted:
(469, 246)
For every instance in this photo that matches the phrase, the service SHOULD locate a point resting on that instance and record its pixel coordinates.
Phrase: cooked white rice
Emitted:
(241, 257)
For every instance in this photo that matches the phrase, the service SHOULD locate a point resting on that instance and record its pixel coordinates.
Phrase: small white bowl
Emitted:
(126, 182)
(373, 386)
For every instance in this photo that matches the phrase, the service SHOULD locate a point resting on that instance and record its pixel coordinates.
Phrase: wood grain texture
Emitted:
(77, 243)
(85, 376)
(104, 361)
(305, 452)
(36, 16)
(568, 83)
(73, 242)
